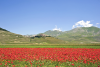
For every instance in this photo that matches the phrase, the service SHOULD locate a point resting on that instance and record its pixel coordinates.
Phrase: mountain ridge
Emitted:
(79, 35)
(7, 37)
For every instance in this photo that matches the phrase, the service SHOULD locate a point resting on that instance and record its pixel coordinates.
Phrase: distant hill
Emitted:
(44, 39)
(54, 33)
(7, 37)
(78, 35)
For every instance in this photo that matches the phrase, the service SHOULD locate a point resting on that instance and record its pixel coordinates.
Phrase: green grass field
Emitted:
(49, 46)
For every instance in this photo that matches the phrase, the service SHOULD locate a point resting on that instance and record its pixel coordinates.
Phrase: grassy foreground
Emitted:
(49, 46)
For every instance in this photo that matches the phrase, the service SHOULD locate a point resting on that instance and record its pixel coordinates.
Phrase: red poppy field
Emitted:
(49, 57)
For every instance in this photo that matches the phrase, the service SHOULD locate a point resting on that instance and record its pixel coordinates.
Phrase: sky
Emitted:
(38, 16)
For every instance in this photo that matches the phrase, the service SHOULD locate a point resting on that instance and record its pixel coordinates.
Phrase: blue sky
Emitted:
(37, 16)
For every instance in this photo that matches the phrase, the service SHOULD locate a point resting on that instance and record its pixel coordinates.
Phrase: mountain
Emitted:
(79, 35)
(7, 37)
(54, 33)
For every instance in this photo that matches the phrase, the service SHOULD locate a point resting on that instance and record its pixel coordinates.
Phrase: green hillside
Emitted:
(81, 35)
(7, 37)
(53, 33)
(46, 40)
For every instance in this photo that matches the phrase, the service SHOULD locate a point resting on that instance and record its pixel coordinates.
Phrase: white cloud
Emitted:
(82, 24)
(97, 24)
(58, 29)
